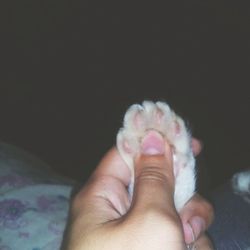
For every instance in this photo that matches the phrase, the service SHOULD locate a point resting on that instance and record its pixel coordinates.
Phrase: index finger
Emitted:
(198, 214)
(104, 197)
(113, 165)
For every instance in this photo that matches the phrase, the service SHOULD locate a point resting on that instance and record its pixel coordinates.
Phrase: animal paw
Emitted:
(241, 185)
(156, 122)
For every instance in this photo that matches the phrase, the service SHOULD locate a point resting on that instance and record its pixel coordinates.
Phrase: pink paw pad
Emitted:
(146, 129)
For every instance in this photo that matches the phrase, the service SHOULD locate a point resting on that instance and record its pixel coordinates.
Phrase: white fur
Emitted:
(138, 120)
(241, 182)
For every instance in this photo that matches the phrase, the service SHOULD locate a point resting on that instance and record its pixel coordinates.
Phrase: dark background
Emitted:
(71, 68)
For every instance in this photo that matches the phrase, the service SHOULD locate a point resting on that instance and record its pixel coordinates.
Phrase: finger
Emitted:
(104, 197)
(196, 146)
(113, 165)
(154, 178)
(196, 217)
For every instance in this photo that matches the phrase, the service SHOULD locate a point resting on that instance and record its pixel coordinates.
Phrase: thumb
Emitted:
(154, 178)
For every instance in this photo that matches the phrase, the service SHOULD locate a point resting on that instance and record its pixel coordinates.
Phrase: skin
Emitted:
(103, 217)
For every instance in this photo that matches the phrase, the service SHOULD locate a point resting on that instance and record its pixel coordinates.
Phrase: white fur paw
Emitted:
(241, 184)
(158, 121)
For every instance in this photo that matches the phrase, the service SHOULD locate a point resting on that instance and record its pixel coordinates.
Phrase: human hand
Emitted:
(103, 217)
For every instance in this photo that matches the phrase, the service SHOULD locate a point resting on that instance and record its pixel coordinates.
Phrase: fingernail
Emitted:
(153, 144)
(188, 233)
(198, 226)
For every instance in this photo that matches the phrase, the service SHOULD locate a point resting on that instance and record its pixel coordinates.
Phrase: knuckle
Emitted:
(152, 173)
(210, 210)
(207, 206)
